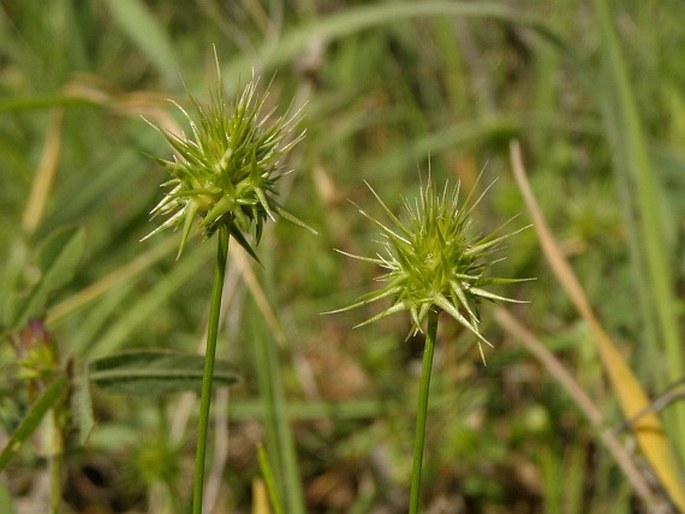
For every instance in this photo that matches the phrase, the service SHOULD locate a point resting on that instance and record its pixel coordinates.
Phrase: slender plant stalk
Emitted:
(267, 397)
(208, 374)
(286, 441)
(422, 411)
(280, 440)
(287, 447)
(270, 480)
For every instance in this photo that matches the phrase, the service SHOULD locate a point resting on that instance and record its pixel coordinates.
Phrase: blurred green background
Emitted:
(389, 91)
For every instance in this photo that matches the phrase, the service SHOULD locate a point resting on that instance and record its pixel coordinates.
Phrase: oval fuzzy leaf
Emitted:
(155, 372)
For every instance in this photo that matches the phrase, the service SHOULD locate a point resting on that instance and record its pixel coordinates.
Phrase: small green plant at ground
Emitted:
(434, 263)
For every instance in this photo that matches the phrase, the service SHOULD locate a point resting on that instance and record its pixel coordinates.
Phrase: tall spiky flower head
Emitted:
(435, 260)
(226, 173)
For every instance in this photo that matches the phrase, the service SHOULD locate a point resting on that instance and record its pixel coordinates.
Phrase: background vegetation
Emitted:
(389, 89)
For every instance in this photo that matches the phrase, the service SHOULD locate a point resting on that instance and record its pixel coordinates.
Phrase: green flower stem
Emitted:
(422, 410)
(208, 374)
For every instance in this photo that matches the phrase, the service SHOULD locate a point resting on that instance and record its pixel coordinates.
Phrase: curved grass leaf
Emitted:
(357, 19)
(269, 479)
(84, 404)
(155, 373)
(33, 418)
(57, 260)
(117, 334)
(145, 30)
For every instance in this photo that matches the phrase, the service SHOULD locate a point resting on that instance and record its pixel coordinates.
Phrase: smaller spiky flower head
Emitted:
(435, 262)
(226, 174)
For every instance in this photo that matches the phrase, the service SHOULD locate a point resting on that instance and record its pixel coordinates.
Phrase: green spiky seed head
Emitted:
(435, 261)
(226, 173)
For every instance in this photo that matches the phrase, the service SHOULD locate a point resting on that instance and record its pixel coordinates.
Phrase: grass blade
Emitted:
(631, 157)
(144, 29)
(629, 393)
(33, 418)
(349, 21)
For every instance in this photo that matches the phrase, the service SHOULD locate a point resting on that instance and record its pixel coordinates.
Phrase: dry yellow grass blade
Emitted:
(242, 260)
(260, 498)
(629, 393)
(45, 175)
(109, 281)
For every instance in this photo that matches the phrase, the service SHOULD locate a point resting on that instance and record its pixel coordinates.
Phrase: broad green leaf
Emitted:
(33, 418)
(155, 372)
(57, 261)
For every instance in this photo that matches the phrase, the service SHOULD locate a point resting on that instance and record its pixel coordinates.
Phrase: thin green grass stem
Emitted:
(267, 399)
(422, 411)
(286, 441)
(208, 373)
(280, 440)
(270, 480)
